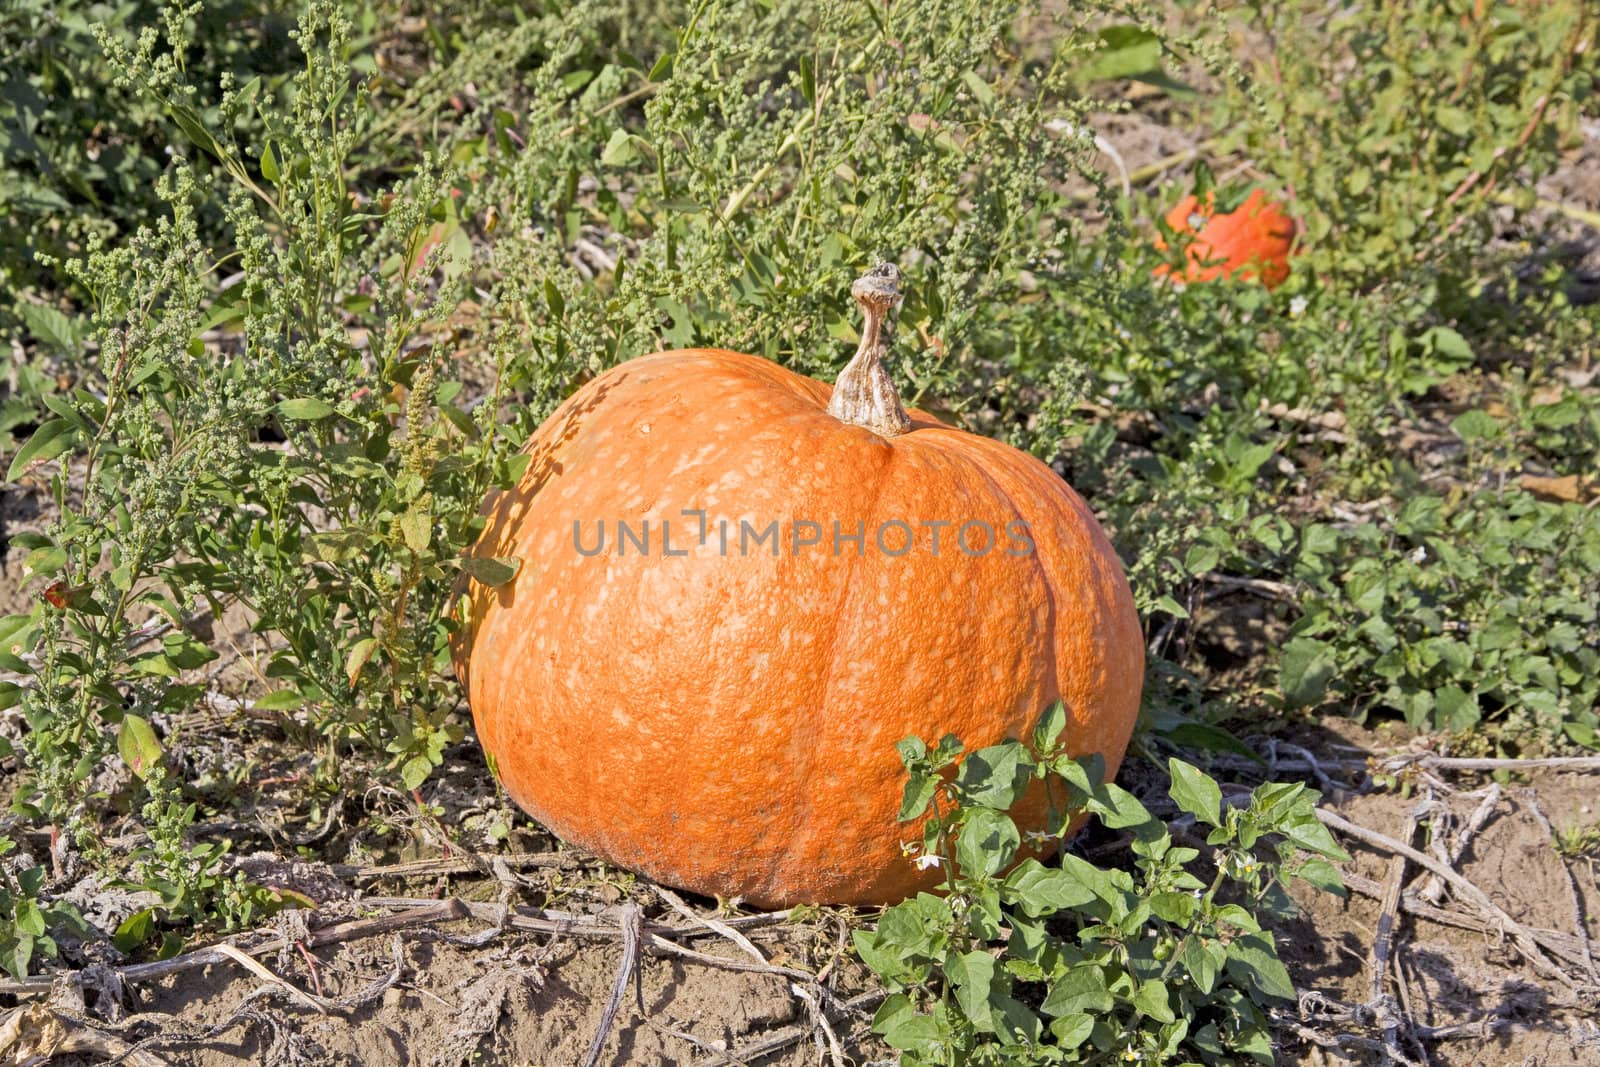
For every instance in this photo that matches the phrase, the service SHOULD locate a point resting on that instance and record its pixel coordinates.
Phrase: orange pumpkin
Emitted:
(1251, 241)
(718, 708)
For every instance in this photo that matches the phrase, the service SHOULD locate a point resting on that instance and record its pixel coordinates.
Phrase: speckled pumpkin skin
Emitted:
(1252, 241)
(727, 723)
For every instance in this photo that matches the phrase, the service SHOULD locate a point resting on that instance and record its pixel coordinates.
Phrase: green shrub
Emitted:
(1073, 963)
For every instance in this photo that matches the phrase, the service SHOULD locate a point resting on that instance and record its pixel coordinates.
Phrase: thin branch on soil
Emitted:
(1519, 933)
(711, 923)
(1383, 944)
(261, 971)
(1579, 922)
(662, 946)
(1559, 944)
(1402, 982)
(470, 863)
(436, 911)
(1262, 587)
(1395, 764)
(819, 1019)
(779, 1040)
(1323, 778)
(631, 924)
(565, 922)
(1433, 889)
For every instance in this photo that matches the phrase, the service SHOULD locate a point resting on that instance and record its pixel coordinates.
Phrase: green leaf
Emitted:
(979, 88)
(417, 529)
(193, 127)
(492, 570)
(901, 1026)
(29, 919)
(50, 327)
(1195, 792)
(1474, 425)
(1072, 1030)
(919, 793)
(994, 777)
(1253, 959)
(1175, 908)
(137, 745)
(14, 958)
(1081, 989)
(987, 841)
(1444, 342)
(1039, 890)
(1304, 829)
(1305, 667)
(48, 441)
(619, 150)
(1204, 961)
(1322, 874)
(415, 771)
(280, 700)
(1052, 721)
(305, 409)
(1127, 51)
(135, 930)
(269, 164)
(43, 562)
(972, 974)
(1154, 1001)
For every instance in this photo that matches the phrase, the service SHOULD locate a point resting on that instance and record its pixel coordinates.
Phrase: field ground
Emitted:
(441, 938)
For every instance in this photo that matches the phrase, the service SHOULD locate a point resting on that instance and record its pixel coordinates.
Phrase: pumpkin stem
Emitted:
(864, 394)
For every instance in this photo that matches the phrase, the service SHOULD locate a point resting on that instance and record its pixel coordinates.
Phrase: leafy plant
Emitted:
(27, 918)
(1455, 613)
(1024, 962)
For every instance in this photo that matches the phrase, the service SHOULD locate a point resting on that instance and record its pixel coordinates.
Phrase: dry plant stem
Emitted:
(1262, 587)
(864, 394)
(1579, 923)
(711, 923)
(1402, 981)
(821, 1019)
(1558, 944)
(466, 864)
(436, 911)
(1383, 945)
(782, 1039)
(260, 970)
(1519, 933)
(1394, 764)
(631, 923)
(1433, 890)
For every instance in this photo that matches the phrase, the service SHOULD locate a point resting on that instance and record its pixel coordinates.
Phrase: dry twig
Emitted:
(1519, 933)
(631, 923)
(1579, 922)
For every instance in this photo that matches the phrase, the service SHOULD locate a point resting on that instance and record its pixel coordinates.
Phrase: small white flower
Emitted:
(1039, 837)
(932, 859)
(1420, 555)
(1297, 306)
(1121, 331)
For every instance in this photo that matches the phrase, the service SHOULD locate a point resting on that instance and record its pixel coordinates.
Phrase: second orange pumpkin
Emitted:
(1252, 241)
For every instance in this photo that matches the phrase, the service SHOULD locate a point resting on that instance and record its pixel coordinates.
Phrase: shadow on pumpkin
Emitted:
(504, 508)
